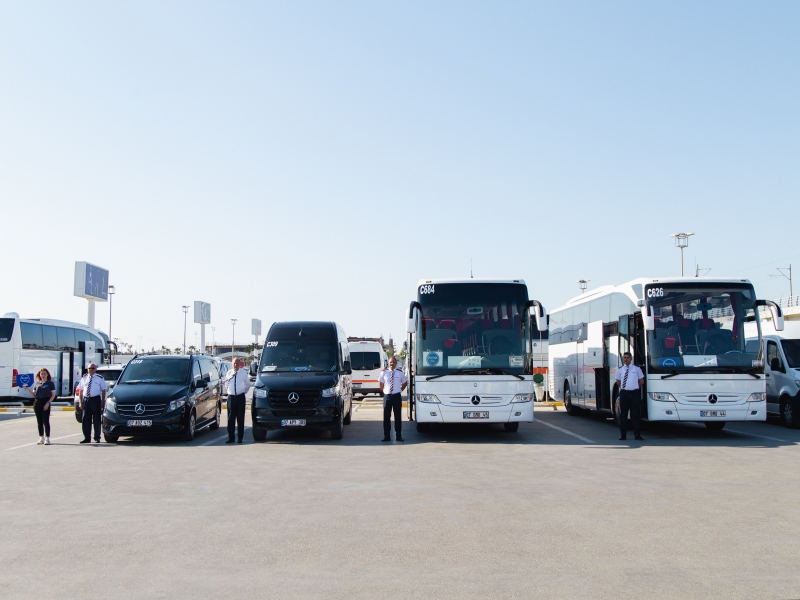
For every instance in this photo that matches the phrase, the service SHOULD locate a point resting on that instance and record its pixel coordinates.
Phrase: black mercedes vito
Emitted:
(303, 379)
(158, 394)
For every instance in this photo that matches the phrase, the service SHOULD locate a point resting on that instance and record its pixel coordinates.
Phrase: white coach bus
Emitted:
(470, 354)
(686, 334)
(62, 347)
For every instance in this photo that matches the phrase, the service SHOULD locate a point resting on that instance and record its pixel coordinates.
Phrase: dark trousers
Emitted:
(42, 419)
(392, 402)
(236, 406)
(91, 415)
(630, 400)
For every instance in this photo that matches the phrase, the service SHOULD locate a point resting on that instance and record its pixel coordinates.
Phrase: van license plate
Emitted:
(712, 413)
(140, 423)
(356, 385)
(293, 423)
(476, 415)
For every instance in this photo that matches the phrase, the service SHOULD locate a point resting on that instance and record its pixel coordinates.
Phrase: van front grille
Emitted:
(307, 399)
(150, 410)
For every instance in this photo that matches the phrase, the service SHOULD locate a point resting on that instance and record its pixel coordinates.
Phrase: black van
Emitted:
(303, 379)
(158, 394)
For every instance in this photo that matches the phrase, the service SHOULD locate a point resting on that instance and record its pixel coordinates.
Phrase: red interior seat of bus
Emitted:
(669, 342)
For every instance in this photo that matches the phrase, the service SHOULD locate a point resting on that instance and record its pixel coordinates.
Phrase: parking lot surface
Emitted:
(558, 509)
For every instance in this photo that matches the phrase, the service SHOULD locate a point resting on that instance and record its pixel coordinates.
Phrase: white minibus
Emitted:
(470, 352)
(367, 359)
(686, 334)
(62, 347)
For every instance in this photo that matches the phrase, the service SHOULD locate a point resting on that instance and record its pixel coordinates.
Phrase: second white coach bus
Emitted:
(470, 353)
(686, 334)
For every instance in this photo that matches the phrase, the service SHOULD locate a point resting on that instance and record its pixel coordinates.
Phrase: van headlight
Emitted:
(111, 404)
(661, 397)
(176, 404)
(331, 391)
(797, 382)
(429, 398)
(260, 393)
(757, 397)
(522, 398)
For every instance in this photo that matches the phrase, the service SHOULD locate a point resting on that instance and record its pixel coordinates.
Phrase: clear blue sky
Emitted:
(314, 160)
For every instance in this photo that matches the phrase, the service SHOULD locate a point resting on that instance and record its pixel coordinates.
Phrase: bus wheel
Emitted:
(571, 410)
(791, 418)
(423, 427)
(715, 425)
(511, 427)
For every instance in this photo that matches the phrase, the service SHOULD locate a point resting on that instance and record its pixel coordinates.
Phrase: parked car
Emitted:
(159, 394)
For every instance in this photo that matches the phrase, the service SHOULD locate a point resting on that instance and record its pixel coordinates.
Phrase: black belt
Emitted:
(90, 397)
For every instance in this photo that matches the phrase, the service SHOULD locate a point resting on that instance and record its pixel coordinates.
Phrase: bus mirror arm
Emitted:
(412, 323)
(540, 314)
(775, 309)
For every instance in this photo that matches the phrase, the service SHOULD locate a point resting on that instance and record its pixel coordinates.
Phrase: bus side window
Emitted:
(31, 335)
(624, 341)
(49, 337)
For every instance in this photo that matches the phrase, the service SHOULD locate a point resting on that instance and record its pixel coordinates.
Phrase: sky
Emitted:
(314, 160)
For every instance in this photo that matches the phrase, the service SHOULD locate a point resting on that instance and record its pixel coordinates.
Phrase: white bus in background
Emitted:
(470, 353)
(686, 334)
(62, 347)
(367, 359)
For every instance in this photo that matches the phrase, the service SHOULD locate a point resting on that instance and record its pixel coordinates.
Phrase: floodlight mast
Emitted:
(681, 241)
(582, 283)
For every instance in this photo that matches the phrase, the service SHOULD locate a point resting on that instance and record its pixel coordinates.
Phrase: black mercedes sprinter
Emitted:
(303, 379)
(159, 394)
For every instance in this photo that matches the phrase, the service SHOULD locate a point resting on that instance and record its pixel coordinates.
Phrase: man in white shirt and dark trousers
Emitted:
(630, 380)
(393, 383)
(93, 402)
(237, 382)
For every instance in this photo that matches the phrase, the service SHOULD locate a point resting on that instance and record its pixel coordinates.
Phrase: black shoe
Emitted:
(386, 439)
(228, 441)
(399, 439)
(97, 441)
(623, 437)
(87, 441)
(239, 442)
(638, 437)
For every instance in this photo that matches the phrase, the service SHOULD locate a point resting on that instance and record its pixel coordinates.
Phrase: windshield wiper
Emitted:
(487, 371)
(502, 372)
(673, 374)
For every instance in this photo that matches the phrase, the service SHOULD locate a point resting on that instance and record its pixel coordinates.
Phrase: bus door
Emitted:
(631, 339)
(410, 350)
(65, 372)
(604, 388)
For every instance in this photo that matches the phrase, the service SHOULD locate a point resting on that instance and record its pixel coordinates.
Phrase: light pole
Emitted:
(582, 283)
(213, 341)
(185, 312)
(111, 291)
(682, 241)
(788, 276)
(233, 337)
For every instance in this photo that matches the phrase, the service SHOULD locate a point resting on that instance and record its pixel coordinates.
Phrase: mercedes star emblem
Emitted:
(476, 400)
(712, 398)
(139, 408)
(294, 397)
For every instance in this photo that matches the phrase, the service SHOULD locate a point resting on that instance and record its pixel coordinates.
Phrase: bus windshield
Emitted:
(6, 329)
(156, 370)
(300, 347)
(471, 326)
(699, 327)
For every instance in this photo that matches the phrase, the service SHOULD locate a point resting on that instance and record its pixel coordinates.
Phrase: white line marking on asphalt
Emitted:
(51, 439)
(214, 441)
(562, 430)
(764, 437)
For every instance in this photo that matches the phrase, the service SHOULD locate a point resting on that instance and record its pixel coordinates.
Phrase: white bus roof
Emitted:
(627, 288)
(59, 323)
(435, 281)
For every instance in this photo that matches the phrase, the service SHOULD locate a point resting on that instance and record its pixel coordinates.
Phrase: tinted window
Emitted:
(209, 368)
(84, 336)
(155, 370)
(196, 374)
(620, 305)
(66, 338)
(31, 335)
(599, 309)
(300, 347)
(6, 329)
(365, 361)
(581, 313)
(110, 375)
(49, 337)
(791, 348)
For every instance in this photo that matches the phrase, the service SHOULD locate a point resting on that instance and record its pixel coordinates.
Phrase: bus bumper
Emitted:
(439, 413)
(673, 411)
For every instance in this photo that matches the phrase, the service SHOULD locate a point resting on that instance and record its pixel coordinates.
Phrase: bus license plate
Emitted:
(140, 423)
(293, 423)
(712, 413)
(476, 415)
(356, 385)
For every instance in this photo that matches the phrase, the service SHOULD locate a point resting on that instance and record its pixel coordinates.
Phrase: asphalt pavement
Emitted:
(560, 509)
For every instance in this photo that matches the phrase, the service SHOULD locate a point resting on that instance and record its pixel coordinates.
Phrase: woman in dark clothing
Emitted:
(44, 392)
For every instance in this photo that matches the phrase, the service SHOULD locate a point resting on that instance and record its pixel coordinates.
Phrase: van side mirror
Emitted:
(201, 384)
(775, 364)
(346, 368)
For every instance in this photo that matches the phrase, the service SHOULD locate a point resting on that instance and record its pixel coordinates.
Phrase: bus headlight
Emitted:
(111, 404)
(429, 398)
(260, 393)
(522, 398)
(331, 391)
(757, 397)
(661, 397)
(176, 404)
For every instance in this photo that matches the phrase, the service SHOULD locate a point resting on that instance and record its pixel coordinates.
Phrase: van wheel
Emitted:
(337, 431)
(217, 418)
(791, 418)
(259, 435)
(571, 409)
(349, 416)
(715, 425)
(511, 427)
(188, 434)
(110, 439)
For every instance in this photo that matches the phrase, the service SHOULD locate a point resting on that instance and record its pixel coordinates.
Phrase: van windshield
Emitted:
(365, 361)
(156, 370)
(296, 347)
(6, 329)
(791, 348)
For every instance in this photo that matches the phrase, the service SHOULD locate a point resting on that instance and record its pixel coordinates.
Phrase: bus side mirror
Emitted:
(777, 316)
(649, 319)
(411, 326)
(541, 317)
